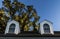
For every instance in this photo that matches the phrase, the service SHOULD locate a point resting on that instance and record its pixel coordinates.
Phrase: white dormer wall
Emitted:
(17, 28)
(41, 30)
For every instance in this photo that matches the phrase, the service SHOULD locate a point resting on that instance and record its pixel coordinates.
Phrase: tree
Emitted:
(3, 21)
(25, 14)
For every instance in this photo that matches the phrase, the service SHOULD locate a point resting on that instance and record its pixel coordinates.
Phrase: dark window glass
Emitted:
(46, 28)
(12, 28)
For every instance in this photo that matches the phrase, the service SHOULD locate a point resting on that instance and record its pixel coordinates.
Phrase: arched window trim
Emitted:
(12, 28)
(46, 28)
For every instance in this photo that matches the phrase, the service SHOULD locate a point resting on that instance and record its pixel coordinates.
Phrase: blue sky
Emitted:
(46, 9)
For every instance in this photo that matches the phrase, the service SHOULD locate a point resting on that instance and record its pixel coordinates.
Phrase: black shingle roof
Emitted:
(31, 34)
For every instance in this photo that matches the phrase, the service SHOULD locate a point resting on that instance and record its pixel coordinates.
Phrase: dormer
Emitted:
(12, 27)
(46, 27)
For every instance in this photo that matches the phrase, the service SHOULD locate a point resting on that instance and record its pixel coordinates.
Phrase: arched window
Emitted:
(12, 28)
(46, 28)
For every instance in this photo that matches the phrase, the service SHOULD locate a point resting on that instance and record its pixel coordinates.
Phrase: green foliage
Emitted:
(25, 14)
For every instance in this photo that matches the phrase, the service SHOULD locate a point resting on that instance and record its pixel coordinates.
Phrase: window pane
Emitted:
(12, 28)
(46, 28)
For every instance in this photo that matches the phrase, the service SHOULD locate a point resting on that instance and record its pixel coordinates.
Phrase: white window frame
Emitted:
(41, 30)
(10, 28)
(46, 28)
(17, 28)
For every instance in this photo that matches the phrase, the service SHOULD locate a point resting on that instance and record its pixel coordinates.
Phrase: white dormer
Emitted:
(46, 27)
(12, 27)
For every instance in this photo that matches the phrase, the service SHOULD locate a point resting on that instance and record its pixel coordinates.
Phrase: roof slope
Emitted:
(31, 34)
